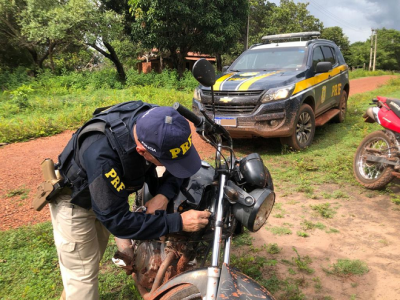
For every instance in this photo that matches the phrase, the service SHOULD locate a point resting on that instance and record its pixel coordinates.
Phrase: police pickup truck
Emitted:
(280, 88)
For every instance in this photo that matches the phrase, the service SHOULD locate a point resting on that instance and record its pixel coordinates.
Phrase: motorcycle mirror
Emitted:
(204, 72)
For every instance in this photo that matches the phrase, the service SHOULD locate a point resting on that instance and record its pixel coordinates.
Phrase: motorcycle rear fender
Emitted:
(232, 285)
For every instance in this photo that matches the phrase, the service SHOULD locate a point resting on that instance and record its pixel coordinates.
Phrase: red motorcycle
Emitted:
(377, 160)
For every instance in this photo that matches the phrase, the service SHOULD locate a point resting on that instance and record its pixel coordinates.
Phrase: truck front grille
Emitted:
(229, 109)
(232, 93)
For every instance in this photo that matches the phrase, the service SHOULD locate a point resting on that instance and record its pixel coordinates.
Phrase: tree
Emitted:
(258, 24)
(291, 17)
(336, 35)
(358, 54)
(80, 22)
(388, 49)
(14, 43)
(180, 26)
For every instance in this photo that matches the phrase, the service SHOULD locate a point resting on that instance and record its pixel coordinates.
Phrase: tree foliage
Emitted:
(259, 14)
(388, 51)
(67, 34)
(180, 26)
(336, 35)
(359, 54)
(291, 17)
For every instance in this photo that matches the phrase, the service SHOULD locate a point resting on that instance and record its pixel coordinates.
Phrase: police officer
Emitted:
(107, 159)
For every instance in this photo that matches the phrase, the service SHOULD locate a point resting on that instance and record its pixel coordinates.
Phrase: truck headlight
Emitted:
(196, 94)
(280, 93)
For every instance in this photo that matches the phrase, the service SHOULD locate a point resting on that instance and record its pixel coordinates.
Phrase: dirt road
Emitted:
(367, 232)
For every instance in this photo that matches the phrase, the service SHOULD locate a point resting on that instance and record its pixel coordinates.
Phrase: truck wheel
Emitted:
(342, 107)
(374, 175)
(182, 292)
(304, 132)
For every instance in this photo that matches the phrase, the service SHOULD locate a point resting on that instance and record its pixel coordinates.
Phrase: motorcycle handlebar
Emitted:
(188, 114)
(204, 124)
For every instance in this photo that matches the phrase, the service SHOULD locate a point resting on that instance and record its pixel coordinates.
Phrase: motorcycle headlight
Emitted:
(280, 93)
(196, 94)
(254, 217)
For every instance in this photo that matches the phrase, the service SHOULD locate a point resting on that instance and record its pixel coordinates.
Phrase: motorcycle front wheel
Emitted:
(182, 292)
(374, 175)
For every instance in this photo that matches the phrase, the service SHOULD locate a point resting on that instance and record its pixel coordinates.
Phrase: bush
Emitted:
(12, 80)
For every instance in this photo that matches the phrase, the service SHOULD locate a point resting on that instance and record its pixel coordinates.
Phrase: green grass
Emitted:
(29, 267)
(324, 210)
(276, 230)
(273, 248)
(308, 225)
(21, 191)
(243, 239)
(348, 267)
(47, 114)
(363, 73)
(302, 234)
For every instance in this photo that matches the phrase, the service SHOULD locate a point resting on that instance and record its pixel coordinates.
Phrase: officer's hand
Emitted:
(159, 202)
(194, 220)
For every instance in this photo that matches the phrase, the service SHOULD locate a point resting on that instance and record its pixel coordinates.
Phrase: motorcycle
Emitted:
(377, 160)
(239, 193)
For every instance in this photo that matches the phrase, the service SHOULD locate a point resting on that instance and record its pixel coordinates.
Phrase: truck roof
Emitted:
(280, 45)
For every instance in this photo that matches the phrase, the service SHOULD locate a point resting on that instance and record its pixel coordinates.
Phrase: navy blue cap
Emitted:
(166, 134)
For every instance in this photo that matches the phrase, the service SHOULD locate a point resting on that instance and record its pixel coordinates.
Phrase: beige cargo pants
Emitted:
(81, 241)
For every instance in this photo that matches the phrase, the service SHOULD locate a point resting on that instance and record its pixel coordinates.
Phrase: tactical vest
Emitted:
(113, 122)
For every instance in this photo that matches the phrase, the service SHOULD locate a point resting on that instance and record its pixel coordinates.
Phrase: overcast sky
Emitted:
(355, 17)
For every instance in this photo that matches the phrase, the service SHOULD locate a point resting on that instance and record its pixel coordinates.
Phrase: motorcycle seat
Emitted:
(394, 105)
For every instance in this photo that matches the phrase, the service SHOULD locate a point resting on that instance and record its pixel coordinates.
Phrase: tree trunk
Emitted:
(118, 65)
(33, 54)
(174, 58)
(219, 62)
(182, 62)
(51, 48)
(42, 59)
(114, 58)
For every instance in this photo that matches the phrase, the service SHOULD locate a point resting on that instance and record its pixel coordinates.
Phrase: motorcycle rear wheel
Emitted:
(182, 292)
(374, 175)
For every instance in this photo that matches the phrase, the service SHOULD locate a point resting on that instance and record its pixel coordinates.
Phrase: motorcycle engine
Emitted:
(147, 261)
(150, 255)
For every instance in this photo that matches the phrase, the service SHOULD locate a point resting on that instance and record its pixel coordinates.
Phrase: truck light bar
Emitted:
(286, 36)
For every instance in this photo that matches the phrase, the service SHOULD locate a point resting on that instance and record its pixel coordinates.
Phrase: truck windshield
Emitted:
(290, 58)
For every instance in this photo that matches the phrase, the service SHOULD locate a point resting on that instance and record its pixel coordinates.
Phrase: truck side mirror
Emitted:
(323, 67)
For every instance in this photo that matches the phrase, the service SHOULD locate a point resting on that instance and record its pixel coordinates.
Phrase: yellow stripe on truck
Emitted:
(220, 80)
(245, 85)
(307, 83)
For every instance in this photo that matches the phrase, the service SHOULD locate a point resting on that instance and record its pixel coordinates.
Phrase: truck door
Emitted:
(333, 86)
(320, 87)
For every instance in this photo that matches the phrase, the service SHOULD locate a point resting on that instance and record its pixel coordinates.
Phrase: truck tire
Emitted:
(303, 134)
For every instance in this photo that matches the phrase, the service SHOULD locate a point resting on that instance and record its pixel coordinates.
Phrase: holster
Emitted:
(48, 189)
